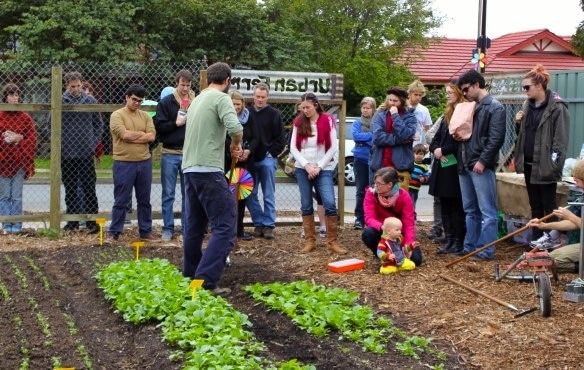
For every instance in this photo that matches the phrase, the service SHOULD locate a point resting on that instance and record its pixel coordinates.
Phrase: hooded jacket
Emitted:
(81, 131)
(551, 140)
(399, 139)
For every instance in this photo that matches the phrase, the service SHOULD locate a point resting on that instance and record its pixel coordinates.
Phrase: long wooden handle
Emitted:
(233, 162)
(476, 291)
(518, 231)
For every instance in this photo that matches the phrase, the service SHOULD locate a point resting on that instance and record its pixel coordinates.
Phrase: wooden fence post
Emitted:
(56, 114)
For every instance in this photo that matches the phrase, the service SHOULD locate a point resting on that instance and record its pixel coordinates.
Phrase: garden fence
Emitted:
(41, 86)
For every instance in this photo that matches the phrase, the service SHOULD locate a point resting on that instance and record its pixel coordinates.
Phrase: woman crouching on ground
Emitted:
(387, 199)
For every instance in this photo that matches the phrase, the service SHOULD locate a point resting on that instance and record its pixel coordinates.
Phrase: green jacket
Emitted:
(210, 117)
(551, 141)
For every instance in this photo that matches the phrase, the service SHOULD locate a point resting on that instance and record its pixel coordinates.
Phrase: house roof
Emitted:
(446, 59)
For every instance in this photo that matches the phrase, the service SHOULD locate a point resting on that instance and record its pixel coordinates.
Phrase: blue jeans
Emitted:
(208, 202)
(265, 176)
(479, 200)
(128, 176)
(323, 185)
(170, 169)
(11, 199)
(362, 180)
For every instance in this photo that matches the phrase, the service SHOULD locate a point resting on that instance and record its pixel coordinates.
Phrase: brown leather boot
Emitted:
(309, 234)
(331, 236)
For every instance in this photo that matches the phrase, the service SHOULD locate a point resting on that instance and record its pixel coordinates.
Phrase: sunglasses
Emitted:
(465, 89)
(527, 87)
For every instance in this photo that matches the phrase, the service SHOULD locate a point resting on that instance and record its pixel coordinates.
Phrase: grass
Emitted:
(43, 166)
(106, 163)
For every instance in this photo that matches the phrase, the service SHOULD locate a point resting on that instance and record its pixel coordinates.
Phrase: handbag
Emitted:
(461, 121)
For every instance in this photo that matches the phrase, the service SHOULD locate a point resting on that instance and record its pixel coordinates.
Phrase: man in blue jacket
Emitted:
(477, 161)
(81, 132)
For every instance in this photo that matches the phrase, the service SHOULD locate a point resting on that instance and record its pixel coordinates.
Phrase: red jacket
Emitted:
(403, 209)
(16, 156)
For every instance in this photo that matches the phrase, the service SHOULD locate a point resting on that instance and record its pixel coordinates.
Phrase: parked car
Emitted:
(349, 173)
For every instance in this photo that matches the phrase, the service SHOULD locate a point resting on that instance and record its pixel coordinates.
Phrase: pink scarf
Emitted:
(324, 124)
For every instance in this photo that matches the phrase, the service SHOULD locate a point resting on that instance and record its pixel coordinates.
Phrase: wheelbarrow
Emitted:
(534, 266)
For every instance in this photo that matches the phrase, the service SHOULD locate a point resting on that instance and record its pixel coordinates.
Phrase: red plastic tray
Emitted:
(346, 265)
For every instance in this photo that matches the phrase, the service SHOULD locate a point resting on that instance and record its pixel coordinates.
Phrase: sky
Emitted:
(562, 17)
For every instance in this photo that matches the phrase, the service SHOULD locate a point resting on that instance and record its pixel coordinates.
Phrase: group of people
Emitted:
(204, 137)
(462, 178)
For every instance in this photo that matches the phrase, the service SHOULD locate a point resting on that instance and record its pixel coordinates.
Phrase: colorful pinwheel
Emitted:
(479, 60)
(241, 183)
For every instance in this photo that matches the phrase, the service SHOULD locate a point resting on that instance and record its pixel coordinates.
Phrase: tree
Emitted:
(361, 39)
(578, 38)
(235, 31)
(66, 30)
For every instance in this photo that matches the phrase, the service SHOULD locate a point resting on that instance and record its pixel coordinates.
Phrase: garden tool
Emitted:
(518, 231)
(483, 294)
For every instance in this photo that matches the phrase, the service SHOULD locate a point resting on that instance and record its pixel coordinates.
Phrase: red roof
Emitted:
(446, 59)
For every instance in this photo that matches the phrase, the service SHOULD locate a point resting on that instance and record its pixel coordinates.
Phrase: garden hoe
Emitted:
(519, 312)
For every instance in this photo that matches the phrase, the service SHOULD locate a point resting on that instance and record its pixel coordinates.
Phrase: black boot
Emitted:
(457, 247)
(92, 227)
(447, 226)
(71, 225)
(446, 247)
(458, 222)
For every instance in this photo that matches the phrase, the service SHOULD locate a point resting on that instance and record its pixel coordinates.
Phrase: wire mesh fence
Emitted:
(83, 140)
(83, 180)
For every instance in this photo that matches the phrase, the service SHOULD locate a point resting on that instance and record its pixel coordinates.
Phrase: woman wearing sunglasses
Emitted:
(541, 146)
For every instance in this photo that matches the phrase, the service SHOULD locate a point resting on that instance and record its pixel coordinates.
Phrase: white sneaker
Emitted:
(546, 242)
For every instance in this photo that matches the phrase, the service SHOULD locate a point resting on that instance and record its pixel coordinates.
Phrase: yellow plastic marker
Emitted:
(64, 368)
(138, 245)
(100, 222)
(194, 285)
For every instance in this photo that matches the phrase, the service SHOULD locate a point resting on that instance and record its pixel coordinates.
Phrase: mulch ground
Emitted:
(475, 332)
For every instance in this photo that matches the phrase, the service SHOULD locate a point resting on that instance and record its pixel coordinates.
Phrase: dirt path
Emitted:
(53, 314)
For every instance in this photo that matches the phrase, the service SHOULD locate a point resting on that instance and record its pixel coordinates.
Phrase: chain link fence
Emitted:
(84, 141)
(84, 184)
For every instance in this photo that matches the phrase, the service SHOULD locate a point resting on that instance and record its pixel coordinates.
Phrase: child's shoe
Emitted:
(387, 270)
(407, 265)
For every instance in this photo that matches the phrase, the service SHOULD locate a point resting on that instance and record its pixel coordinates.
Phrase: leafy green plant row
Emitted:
(320, 310)
(39, 272)
(4, 291)
(24, 351)
(208, 331)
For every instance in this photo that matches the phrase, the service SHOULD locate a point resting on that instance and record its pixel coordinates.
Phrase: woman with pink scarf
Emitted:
(387, 199)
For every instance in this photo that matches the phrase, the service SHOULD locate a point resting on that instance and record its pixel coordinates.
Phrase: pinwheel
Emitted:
(240, 182)
(479, 60)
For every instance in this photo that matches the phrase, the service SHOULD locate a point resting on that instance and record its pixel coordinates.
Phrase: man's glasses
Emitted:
(527, 87)
(136, 100)
(465, 89)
